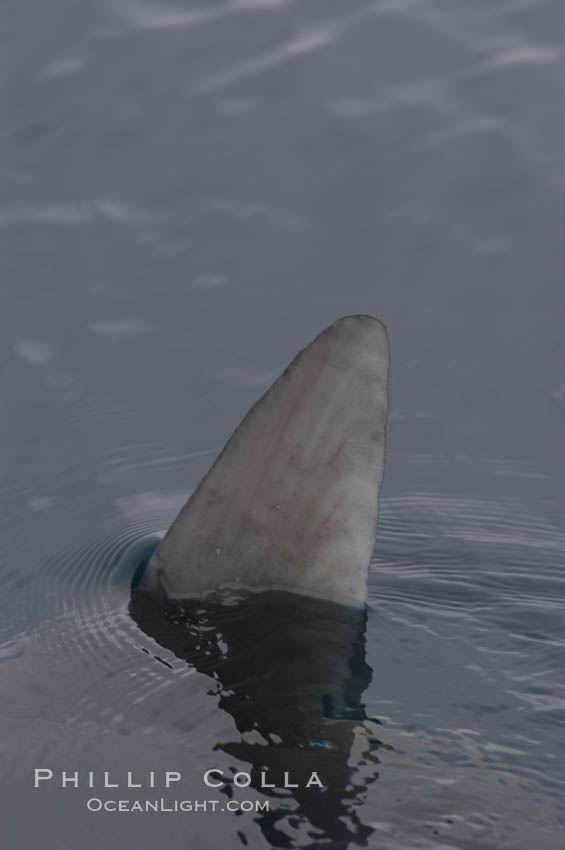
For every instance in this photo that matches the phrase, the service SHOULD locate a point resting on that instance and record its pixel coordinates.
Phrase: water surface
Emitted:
(189, 192)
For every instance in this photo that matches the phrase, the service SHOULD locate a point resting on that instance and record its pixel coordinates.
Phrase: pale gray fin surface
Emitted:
(292, 500)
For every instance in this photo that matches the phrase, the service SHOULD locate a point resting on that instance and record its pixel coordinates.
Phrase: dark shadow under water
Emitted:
(293, 670)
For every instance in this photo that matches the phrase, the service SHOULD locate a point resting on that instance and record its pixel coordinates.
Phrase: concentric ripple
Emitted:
(466, 557)
(465, 637)
(73, 657)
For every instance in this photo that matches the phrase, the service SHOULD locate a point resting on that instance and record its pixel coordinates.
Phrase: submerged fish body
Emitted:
(292, 500)
(290, 671)
(289, 509)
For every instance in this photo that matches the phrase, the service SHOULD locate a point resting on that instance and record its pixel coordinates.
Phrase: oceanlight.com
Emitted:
(95, 804)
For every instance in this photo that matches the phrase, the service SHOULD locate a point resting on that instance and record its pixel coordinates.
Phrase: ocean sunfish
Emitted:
(291, 502)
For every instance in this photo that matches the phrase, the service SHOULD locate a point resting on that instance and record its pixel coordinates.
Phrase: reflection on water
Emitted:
(292, 670)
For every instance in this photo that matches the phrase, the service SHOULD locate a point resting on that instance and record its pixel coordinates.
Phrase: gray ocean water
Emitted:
(189, 193)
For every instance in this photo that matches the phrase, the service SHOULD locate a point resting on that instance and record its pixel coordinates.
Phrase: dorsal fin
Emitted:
(292, 500)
